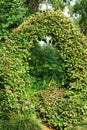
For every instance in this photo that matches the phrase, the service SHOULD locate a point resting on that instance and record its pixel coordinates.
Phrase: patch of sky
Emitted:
(45, 6)
(42, 42)
(72, 2)
(66, 12)
(48, 40)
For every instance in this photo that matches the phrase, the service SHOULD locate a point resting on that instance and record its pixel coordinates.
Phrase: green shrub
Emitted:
(81, 126)
(46, 65)
(14, 78)
(11, 16)
(60, 108)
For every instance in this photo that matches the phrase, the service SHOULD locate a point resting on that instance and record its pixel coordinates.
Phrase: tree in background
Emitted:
(57, 4)
(33, 4)
(80, 9)
(12, 13)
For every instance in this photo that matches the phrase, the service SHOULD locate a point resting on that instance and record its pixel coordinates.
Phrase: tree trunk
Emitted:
(33, 4)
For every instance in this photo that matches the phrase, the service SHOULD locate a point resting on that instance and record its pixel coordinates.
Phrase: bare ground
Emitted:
(46, 128)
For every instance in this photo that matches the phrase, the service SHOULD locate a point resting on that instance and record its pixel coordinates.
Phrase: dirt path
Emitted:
(46, 128)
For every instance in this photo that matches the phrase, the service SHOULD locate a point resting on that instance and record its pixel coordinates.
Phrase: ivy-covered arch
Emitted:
(15, 54)
(66, 37)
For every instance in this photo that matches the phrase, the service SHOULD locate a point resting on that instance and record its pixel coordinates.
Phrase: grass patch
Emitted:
(30, 123)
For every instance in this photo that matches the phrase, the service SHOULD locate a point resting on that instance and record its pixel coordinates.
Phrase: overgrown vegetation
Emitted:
(26, 66)
(29, 123)
(12, 14)
(60, 108)
(46, 65)
(80, 10)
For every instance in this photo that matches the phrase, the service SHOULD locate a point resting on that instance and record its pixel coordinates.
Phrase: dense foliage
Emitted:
(80, 8)
(69, 42)
(46, 65)
(29, 123)
(17, 57)
(12, 13)
(58, 4)
(60, 108)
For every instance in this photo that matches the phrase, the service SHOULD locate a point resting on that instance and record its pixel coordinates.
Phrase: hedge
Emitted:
(15, 55)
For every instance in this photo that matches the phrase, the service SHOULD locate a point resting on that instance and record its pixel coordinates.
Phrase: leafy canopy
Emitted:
(12, 13)
(80, 9)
